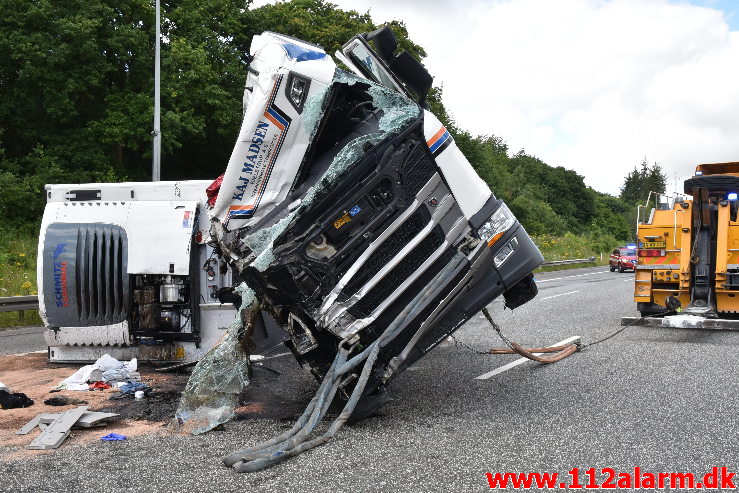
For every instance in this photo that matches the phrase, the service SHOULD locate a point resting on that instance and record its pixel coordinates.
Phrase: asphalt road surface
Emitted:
(661, 399)
(21, 340)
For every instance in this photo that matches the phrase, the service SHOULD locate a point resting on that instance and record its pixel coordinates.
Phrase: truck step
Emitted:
(683, 322)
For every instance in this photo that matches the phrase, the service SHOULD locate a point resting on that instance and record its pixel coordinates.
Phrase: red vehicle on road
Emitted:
(623, 258)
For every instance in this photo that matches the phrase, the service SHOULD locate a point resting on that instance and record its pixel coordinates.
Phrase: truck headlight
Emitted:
(500, 222)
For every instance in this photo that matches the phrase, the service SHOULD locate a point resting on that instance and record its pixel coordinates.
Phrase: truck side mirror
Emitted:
(410, 71)
(404, 66)
(385, 42)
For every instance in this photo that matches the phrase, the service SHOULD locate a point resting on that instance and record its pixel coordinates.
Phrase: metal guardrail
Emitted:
(568, 262)
(21, 303)
(18, 303)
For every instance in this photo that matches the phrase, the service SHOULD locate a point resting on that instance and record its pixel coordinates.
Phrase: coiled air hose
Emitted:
(515, 348)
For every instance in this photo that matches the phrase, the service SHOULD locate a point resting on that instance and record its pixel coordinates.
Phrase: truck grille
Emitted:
(85, 279)
(394, 243)
(408, 266)
(102, 287)
(418, 169)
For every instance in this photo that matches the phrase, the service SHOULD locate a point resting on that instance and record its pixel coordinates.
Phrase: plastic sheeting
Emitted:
(212, 391)
(106, 365)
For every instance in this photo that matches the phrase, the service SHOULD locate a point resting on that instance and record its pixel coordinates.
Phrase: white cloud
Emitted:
(592, 85)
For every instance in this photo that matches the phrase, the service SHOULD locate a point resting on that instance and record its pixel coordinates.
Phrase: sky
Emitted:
(591, 85)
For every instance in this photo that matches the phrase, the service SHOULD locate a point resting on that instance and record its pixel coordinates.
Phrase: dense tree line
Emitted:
(76, 91)
(642, 180)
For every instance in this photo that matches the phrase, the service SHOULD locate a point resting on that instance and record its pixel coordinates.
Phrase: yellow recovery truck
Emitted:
(687, 271)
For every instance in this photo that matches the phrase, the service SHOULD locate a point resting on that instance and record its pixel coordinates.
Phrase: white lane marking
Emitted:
(521, 361)
(628, 280)
(569, 277)
(556, 295)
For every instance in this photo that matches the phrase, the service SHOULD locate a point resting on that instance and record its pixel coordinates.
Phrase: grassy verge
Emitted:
(18, 274)
(572, 246)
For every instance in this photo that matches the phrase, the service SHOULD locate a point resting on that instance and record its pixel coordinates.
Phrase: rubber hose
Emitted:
(552, 349)
(302, 420)
(544, 359)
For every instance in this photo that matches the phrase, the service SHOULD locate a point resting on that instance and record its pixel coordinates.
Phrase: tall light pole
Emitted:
(157, 151)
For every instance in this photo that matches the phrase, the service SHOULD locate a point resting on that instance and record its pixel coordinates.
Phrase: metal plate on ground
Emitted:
(58, 431)
(88, 420)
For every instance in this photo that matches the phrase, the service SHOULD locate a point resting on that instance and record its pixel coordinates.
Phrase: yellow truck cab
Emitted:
(688, 250)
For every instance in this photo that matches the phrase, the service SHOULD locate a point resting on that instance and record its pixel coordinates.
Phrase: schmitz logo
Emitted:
(61, 295)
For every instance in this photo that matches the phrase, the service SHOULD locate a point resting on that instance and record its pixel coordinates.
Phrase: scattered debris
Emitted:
(106, 369)
(89, 419)
(100, 386)
(133, 387)
(113, 437)
(178, 366)
(63, 400)
(57, 427)
(58, 430)
(13, 401)
(33, 375)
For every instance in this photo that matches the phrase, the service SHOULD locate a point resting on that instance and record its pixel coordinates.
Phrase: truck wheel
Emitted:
(610, 266)
(620, 268)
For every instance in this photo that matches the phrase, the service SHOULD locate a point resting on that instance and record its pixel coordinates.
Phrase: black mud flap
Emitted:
(522, 292)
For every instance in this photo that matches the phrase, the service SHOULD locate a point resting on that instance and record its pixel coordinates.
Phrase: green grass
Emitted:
(18, 275)
(572, 246)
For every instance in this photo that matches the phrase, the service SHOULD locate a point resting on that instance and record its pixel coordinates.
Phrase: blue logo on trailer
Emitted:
(60, 248)
(61, 292)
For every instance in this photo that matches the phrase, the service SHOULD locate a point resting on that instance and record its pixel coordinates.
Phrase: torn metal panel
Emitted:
(58, 430)
(88, 420)
(29, 427)
(97, 335)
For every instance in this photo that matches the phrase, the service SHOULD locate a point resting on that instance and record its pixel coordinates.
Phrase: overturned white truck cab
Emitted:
(346, 212)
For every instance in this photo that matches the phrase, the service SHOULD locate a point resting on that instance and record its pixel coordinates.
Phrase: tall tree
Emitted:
(642, 180)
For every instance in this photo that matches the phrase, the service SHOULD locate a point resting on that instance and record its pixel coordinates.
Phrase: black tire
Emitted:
(650, 309)
(521, 292)
(610, 266)
(620, 268)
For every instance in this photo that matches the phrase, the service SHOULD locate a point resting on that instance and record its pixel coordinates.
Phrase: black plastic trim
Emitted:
(290, 78)
(485, 212)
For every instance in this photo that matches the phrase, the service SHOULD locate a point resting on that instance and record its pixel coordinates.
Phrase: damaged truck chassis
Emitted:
(346, 212)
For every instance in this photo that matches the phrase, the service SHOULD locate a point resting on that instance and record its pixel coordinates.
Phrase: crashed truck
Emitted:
(687, 270)
(346, 209)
